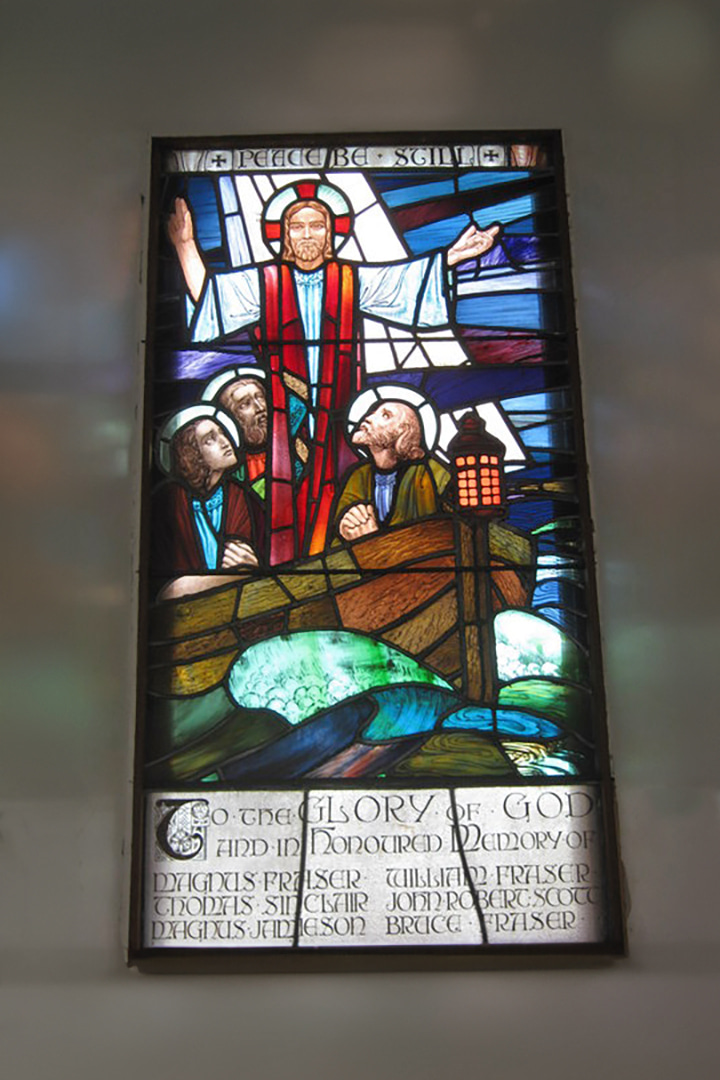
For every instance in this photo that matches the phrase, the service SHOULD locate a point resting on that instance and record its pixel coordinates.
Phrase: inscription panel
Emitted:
(490, 866)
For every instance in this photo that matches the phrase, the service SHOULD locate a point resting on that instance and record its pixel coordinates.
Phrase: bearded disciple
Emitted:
(241, 392)
(400, 483)
(201, 521)
(306, 309)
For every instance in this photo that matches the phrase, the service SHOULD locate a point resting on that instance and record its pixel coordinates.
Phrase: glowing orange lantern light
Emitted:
(477, 459)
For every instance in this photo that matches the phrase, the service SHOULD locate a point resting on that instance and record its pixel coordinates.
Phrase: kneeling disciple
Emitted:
(401, 483)
(201, 520)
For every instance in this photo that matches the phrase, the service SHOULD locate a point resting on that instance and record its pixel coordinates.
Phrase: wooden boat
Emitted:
(419, 587)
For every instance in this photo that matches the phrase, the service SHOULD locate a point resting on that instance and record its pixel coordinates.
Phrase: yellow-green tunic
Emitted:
(417, 491)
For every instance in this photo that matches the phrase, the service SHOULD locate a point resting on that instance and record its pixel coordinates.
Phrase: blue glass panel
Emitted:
(567, 546)
(569, 621)
(303, 748)
(531, 402)
(542, 457)
(437, 235)
(546, 593)
(488, 178)
(543, 472)
(202, 365)
(524, 226)
(509, 309)
(451, 389)
(201, 193)
(408, 710)
(418, 192)
(529, 515)
(505, 211)
(567, 593)
(297, 410)
(407, 378)
(388, 181)
(508, 723)
(545, 435)
(520, 249)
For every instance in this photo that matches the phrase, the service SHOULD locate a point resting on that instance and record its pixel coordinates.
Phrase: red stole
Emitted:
(299, 513)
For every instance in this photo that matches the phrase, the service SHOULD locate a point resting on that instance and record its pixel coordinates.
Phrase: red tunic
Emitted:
(176, 547)
(299, 511)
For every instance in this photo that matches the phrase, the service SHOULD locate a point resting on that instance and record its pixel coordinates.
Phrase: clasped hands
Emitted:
(238, 553)
(359, 520)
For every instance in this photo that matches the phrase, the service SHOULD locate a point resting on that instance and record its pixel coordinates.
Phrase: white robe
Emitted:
(410, 293)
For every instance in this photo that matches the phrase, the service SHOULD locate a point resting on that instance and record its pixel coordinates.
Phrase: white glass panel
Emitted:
(264, 185)
(378, 354)
(356, 187)
(442, 348)
(251, 207)
(237, 241)
(503, 283)
(403, 343)
(416, 359)
(376, 236)
(228, 195)
(351, 251)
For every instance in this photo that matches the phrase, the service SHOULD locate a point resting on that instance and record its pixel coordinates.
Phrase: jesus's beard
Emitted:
(307, 250)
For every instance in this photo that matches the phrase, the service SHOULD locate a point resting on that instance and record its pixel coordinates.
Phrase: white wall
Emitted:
(634, 86)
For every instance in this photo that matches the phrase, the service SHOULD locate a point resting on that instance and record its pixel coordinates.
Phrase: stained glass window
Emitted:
(370, 708)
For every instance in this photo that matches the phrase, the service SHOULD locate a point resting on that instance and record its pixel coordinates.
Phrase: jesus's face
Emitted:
(307, 237)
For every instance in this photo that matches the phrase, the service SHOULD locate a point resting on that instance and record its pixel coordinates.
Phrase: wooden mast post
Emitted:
(477, 460)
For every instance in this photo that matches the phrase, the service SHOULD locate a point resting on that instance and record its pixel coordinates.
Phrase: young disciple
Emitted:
(201, 520)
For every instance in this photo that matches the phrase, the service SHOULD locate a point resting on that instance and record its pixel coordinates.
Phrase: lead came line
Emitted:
(301, 877)
(466, 868)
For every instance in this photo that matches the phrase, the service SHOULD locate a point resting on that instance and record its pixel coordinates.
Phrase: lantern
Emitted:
(477, 463)
(477, 459)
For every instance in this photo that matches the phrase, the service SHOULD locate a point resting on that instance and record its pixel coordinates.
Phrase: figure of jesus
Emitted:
(305, 308)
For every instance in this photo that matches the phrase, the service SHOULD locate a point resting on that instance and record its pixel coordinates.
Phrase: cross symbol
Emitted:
(491, 155)
(219, 160)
